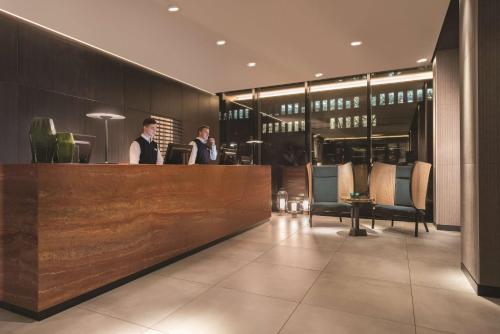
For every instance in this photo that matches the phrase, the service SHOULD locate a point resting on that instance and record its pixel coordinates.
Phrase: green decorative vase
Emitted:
(42, 136)
(65, 147)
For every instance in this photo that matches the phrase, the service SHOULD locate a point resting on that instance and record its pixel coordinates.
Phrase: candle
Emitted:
(305, 205)
(282, 204)
(294, 206)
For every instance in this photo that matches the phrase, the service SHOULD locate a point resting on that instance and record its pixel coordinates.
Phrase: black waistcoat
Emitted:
(203, 153)
(149, 151)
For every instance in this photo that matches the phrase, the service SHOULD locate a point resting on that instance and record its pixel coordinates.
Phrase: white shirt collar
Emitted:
(148, 138)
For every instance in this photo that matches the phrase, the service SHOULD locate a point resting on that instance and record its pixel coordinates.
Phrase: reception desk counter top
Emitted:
(67, 231)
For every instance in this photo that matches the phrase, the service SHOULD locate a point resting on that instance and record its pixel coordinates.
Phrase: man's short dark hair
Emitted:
(203, 127)
(148, 121)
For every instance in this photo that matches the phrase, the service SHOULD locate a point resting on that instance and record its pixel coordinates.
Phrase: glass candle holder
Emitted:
(282, 201)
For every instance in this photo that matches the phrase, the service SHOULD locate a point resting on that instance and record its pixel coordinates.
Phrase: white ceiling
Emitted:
(290, 40)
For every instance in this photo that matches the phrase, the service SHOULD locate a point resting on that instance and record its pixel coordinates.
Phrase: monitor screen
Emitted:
(177, 154)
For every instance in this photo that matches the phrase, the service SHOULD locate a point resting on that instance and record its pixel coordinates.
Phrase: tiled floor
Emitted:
(284, 277)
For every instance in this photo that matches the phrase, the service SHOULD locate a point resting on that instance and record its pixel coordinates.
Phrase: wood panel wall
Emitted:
(446, 173)
(44, 74)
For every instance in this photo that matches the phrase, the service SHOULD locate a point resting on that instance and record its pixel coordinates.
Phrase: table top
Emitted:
(357, 200)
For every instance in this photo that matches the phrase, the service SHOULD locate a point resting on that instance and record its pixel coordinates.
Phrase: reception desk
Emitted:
(68, 232)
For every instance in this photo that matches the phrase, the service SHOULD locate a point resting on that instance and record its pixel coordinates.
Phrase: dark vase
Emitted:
(65, 147)
(42, 136)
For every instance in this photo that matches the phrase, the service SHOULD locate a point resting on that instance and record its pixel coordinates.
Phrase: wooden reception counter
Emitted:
(68, 232)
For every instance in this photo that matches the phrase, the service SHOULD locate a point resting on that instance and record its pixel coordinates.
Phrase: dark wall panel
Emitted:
(137, 88)
(53, 76)
(190, 113)
(8, 122)
(8, 50)
(36, 62)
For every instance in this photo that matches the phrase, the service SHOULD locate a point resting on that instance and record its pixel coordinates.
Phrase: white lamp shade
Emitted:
(105, 115)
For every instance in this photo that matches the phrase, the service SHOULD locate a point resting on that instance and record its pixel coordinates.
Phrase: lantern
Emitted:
(304, 204)
(282, 201)
(293, 207)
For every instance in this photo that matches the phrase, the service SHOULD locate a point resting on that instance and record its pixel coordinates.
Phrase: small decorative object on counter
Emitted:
(65, 147)
(42, 137)
(282, 201)
(355, 195)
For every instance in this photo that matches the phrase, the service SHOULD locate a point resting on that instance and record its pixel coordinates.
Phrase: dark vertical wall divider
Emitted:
(44, 74)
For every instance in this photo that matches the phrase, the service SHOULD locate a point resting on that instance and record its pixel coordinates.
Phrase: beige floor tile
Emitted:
(147, 300)
(317, 320)
(423, 330)
(10, 321)
(433, 250)
(454, 311)
(375, 246)
(80, 321)
(202, 268)
(314, 240)
(238, 249)
(221, 311)
(370, 297)
(281, 225)
(268, 237)
(389, 269)
(328, 225)
(435, 274)
(272, 280)
(315, 259)
(152, 331)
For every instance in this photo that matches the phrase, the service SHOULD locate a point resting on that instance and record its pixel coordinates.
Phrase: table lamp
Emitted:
(253, 142)
(106, 116)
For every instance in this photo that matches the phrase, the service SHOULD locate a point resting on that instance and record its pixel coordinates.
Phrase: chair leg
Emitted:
(425, 223)
(310, 219)
(392, 222)
(416, 226)
(340, 218)
(373, 220)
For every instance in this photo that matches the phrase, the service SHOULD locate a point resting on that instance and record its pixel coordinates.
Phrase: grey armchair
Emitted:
(399, 192)
(325, 190)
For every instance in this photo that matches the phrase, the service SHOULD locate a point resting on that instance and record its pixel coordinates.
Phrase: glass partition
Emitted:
(339, 121)
(384, 117)
(398, 106)
(283, 132)
(237, 119)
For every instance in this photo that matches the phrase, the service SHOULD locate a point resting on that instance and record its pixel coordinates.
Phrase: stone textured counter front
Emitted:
(69, 230)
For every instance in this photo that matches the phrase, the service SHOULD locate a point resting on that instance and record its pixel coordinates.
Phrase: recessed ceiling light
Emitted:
(422, 60)
(252, 64)
(173, 8)
(318, 75)
(356, 43)
(221, 42)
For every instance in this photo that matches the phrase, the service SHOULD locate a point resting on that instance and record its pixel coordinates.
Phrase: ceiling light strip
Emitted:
(364, 137)
(401, 78)
(101, 50)
(282, 92)
(338, 85)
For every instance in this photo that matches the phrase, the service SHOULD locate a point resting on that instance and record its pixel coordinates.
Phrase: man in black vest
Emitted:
(204, 149)
(144, 150)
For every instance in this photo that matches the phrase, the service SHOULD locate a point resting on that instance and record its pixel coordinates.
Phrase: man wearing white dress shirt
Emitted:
(144, 150)
(204, 149)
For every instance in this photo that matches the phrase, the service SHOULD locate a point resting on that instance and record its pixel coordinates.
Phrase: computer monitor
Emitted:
(229, 156)
(177, 154)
